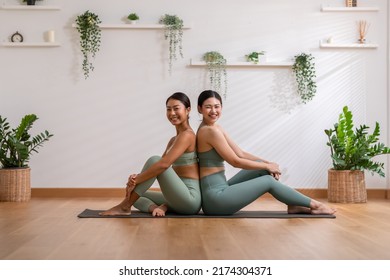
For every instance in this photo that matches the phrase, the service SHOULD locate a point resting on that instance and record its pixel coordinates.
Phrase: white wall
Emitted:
(105, 127)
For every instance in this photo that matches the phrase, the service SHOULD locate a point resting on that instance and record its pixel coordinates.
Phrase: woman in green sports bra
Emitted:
(258, 176)
(176, 171)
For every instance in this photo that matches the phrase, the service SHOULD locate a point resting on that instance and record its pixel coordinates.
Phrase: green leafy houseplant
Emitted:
(17, 145)
(87, 25)
(133, 17)
(216, 65)
(354, 149)
(173, 32)
(254, 57)
(305, 74)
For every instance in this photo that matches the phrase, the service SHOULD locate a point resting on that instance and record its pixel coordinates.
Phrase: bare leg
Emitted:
(123, 208)
(292, 209)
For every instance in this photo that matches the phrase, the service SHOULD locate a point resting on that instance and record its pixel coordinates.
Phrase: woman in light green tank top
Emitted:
(176, 171)
(257, 177)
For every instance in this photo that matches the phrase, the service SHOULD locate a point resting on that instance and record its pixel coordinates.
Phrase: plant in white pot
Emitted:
(352, 152)
(16, 148)
(133, 18)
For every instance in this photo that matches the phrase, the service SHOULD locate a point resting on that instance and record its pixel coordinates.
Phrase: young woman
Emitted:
(259, 176)
(176, 171)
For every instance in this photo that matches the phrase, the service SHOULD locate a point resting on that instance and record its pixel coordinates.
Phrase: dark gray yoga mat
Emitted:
(88, 213)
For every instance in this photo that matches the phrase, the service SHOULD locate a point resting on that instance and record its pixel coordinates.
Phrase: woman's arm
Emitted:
(182, 142)
(216, 138)
(238, 151)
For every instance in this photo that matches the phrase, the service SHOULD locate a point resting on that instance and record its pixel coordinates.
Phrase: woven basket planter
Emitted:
(15, 184)
(346, 186)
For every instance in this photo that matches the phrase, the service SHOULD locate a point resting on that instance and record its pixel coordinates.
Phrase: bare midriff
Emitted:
(187, 171)
(205, 171)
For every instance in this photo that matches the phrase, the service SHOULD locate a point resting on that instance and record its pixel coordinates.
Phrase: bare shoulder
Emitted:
(209, 130)
(186, 135)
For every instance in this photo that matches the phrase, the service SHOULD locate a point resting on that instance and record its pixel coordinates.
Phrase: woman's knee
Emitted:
(153, 159)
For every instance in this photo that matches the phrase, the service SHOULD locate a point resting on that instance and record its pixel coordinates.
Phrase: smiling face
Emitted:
(177, 113)
(211, 110)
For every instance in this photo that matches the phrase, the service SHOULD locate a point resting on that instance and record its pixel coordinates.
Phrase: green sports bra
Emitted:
(186, 159)
(210, 158)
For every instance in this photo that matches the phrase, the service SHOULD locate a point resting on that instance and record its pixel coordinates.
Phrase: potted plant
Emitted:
(16, 147)
(87, 25)
(31, 2)
(173, 31)
(305, 74)
(216, 65)
(352, 152)
(254, 56)
(133, 18)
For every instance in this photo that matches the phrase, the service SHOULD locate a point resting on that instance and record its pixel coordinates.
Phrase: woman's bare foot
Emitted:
(320, 208)
(120, 209)
(293, 209)
(159, 211)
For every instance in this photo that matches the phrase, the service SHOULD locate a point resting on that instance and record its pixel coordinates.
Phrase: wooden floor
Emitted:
(47, 228)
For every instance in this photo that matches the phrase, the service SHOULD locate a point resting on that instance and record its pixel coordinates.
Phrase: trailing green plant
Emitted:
(305, 75)
(87, 25)
(173, 32)
(133, 16)
(354, 149)
(216, 65)
(17, 145)
(254, 56)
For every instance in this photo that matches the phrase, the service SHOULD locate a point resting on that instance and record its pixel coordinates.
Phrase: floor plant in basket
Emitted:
(16, 148)
(352, 152)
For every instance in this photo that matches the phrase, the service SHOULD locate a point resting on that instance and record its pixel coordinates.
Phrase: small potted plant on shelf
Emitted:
(254, 56)
(133, 18)
(173, 32)
(305, 74)
(352, 152)
(87, 25)
(216, 65)
(31, 2)
(16, 147)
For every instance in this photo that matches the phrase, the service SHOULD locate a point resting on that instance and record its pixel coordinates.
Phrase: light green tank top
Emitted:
(210, 158)
(186, 159)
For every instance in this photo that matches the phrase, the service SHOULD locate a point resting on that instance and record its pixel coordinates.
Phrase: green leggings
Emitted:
(182, 195)
(222, 197)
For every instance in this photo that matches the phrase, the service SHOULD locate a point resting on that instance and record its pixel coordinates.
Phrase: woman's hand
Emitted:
(131, 183)
(274, 169)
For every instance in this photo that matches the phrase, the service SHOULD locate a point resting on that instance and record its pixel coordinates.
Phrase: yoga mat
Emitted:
(89, 213)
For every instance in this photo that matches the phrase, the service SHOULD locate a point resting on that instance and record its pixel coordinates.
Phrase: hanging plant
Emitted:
(216, 65)
(174, 33)
(305, 74)
(87, 25)
(254, 57)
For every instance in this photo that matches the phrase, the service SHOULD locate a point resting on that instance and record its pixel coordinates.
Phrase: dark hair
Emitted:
(182, 97)
(206, 94)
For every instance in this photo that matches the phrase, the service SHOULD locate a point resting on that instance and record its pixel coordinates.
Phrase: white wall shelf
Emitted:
(348, 46)
(247, 64)
(29, 8)
(30, 45)
(349, 9)
(132, 26)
